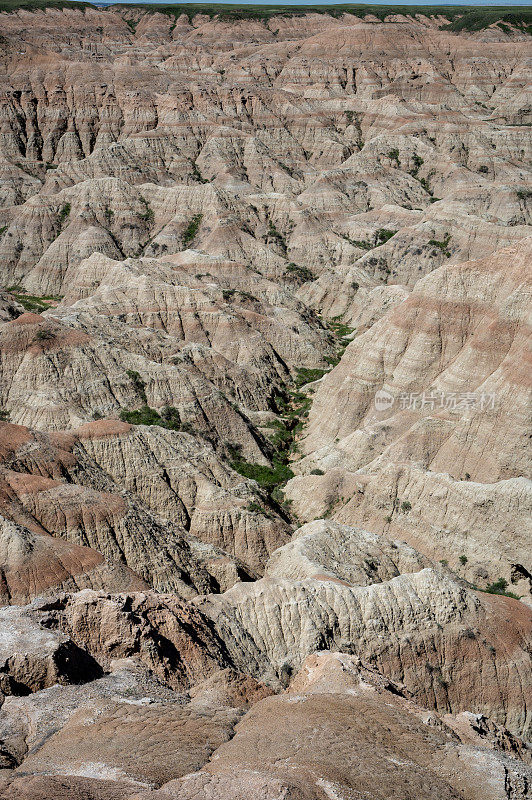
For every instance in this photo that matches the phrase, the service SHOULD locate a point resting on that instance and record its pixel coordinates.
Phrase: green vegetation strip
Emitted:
(459, 18)
(168, 418)
(470, 18)
(32, 302)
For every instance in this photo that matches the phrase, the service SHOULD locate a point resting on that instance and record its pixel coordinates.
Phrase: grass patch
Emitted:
(32, 302)
(266, 477)
(339, 328)
(383, 235)
(499, 587)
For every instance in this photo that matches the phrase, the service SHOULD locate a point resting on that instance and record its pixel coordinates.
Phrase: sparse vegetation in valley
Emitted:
(31, 302)
(148, 214)
(302, 274)
(276, 237)
(500, 586)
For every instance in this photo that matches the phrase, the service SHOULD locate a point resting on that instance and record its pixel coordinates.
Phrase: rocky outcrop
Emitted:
(158, 500)
(36, 564)
(400, 747)
(170, 637)
(421, 629)
(33, 658)
(326, 550)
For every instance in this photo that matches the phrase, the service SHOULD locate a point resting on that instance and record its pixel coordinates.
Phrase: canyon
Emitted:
(265, 491)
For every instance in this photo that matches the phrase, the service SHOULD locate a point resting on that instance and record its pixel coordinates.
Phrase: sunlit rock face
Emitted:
(264, 407)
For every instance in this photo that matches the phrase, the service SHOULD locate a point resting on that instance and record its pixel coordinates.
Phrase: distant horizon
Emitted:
(478, 3)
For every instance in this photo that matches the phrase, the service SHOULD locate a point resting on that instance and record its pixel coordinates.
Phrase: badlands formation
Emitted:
(227, 571)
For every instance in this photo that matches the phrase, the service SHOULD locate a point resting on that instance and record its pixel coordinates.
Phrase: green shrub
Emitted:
(190, 232)
(499, 587)
(148, 215)
(442, 245)
(4, 415)
(138, 383)
(64, 213)
(317, 471)
(195, 171)
(394, 156)
(383, 235)
(463, 560)
(364, 245)
(168, 418)
(302, 273)
(256, 508)
(406, 506)
(418, 162)
(44, 334)
(265, 476)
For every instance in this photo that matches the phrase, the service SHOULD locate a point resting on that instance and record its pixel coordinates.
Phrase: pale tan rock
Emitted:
(422, 629)
(328, 551)
(339, 731)
(161, 501)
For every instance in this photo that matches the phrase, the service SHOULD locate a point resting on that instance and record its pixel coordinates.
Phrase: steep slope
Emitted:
(443, 463)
